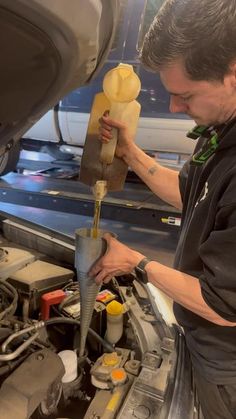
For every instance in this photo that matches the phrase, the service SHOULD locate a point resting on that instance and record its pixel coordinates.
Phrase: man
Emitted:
(191, 43)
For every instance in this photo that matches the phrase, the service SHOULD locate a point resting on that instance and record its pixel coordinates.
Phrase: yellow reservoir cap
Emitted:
(110, 360)
(118, 376)
(114, 308)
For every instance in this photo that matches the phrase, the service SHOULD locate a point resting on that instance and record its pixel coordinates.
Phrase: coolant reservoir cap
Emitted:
(114, 308)
(110, 359)
(118, 376)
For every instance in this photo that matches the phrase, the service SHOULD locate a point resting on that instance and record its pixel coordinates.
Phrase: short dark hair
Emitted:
(200, 32)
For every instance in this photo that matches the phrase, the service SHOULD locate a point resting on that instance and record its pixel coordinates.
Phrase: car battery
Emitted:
(36, 279)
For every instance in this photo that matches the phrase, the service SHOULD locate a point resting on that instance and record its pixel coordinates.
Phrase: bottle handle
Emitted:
(108, 150)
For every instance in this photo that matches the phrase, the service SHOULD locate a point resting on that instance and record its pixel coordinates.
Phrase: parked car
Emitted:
(62, 130)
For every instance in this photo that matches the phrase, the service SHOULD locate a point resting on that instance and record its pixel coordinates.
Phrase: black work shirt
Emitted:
(207, 251)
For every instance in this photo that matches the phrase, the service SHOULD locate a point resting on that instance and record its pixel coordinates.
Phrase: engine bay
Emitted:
(132, 358)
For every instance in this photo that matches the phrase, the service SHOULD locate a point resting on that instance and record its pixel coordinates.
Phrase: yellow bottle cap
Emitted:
(118, 376)
(110, 360)
(121, 84)
(114, 308)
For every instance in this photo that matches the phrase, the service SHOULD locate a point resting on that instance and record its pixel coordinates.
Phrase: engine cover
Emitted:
(23, 391)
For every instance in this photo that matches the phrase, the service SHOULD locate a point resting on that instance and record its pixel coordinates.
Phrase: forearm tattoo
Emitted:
(153, 170)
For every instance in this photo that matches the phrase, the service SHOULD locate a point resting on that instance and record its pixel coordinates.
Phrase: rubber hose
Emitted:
(10, 310)
(57, 320)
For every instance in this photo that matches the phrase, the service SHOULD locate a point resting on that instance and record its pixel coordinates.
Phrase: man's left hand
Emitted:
(118, 260)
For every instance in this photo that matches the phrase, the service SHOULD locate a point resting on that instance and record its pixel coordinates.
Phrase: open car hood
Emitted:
(35, 263)
(48, 48)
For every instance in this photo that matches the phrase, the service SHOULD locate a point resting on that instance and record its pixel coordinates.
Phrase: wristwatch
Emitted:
(140, 270)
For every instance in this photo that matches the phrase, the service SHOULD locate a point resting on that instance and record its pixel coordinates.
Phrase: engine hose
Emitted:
(9, 289)
(69, 299)
(57, 320)
(7, 368)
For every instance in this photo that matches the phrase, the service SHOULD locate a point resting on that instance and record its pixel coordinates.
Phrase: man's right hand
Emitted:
(125, 140)
(164, 182)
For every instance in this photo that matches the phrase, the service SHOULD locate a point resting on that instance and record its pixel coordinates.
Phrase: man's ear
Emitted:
(232, 73)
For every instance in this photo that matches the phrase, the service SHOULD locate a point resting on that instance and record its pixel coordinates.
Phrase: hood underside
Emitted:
(47, 50)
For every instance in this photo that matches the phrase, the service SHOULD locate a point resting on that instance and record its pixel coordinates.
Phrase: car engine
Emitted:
(132, 357)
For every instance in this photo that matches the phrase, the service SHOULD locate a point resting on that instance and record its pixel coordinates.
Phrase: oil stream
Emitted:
(99, 192)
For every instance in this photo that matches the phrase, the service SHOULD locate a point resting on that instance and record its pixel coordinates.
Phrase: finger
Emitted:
(112, 122)
(106, 113)
(105, 133)
(108, 237)
(104, 140)
(107, 279)
(95, 270)
(105, 126)
(100, 277)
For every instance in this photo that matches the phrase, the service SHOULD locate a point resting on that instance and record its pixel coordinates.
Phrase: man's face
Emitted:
(208, 103)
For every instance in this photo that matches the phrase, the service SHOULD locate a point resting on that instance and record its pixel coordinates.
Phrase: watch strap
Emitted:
(140, 270)
(143, 263)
